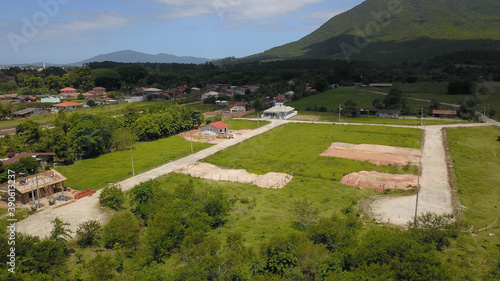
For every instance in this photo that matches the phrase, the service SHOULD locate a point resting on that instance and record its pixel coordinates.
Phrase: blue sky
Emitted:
(66, 31)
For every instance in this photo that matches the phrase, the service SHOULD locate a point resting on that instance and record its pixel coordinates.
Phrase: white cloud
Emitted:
(323, 15)
(85, 24)
(233, 9)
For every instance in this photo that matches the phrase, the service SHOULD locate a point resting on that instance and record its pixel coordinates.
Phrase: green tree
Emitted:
(47, 255)
(395, 99)
(34, 82)
(112, 197)
(29, 131)
(107, 78)
(60, 230)
(140, 196)
(52, 82)
(165, 232)
(122, 228)
(122, 138)
(88, 233)
(102, 267)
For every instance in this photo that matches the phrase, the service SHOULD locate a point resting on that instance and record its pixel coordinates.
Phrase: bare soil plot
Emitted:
(212, 172)
(380, 181)
(198, 137)
(376, 154)
(306, 117)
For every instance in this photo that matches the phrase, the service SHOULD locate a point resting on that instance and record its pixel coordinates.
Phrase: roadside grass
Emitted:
(476, 162)
(116, 166)
(476, 159)
(334, 117)
(296, 148)
(241, 124)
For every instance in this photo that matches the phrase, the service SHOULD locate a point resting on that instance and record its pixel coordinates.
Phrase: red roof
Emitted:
(68, 89)
(280, 97)
(18, 157)
(68, 104)
(219, 125)
(444, 112)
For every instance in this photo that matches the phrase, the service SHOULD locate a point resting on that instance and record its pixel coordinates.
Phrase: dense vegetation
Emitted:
(416, 30)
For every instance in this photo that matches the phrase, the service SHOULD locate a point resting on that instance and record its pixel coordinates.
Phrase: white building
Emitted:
(279, 112)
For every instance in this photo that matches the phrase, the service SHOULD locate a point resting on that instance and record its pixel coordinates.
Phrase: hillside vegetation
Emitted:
(377, 30)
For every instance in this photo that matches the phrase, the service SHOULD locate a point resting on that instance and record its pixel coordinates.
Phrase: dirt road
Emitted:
(88, 208)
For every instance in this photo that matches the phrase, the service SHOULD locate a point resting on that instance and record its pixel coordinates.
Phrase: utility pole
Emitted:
(340, 110)
(421, 117)
(132, 156)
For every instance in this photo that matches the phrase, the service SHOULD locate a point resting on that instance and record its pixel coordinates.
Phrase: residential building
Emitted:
(279, 112)
(67, 105)
(444, 113)
(215, 129)
(387, 113)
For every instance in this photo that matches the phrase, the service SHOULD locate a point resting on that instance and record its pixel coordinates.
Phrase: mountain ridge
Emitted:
(362, 32)
(129, 56)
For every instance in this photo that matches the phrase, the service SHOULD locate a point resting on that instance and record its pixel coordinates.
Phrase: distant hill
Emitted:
(415, 30)
(129, 56)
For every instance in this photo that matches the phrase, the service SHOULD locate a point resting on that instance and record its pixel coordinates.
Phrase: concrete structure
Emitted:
(45, 184)
(215, 129)
(221, 102)
(238, 109)
(280, 112)
(43, 158)
(134, 99)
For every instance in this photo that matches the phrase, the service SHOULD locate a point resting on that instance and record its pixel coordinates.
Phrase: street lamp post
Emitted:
(132, 156)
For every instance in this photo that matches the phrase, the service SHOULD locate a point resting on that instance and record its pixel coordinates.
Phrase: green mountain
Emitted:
(394, 31)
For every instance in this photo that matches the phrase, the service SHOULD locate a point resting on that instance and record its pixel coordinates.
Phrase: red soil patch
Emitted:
(376, 154)
(380, 181)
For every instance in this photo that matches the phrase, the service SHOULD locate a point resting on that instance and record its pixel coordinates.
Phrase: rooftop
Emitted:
(219, 125)
(18, 157)
(68, 104)
(45, 179)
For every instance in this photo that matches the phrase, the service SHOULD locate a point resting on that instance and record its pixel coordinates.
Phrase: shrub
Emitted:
(88, 233)
(122, 228)
(112, 197)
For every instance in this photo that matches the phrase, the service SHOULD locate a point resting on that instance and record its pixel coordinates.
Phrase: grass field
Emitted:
(240, 124)
(296, 148)
(334, 117)
(331, 99)
(476, 160)
(116, 166)
(317, 178)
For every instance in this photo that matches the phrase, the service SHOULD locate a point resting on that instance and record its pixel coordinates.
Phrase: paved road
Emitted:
(88, 208)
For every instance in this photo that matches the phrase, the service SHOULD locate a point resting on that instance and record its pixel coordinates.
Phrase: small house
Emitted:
(67, 105)
(28, 112)
(368, 111)
(238, 109)
(51, 100)
(444, 113)
(387, 113)
(215, 129)
(210, 95)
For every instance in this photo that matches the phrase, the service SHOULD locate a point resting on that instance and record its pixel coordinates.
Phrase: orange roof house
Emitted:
(215, 129)
(67, 105)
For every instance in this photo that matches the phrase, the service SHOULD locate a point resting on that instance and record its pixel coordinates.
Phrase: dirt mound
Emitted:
(376, 154)
(212, 172)
(380, 181)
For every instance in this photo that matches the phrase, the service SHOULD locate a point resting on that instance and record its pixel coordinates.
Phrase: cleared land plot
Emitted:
(331, 100)
(110, 168)
(380, 181)
(376, 154)
(295, 149)
(212, 172)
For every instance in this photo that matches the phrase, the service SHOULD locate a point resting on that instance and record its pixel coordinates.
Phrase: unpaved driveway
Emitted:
(88, 208)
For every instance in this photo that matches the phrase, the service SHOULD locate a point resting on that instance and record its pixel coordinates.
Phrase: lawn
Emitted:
(116, 166)
(476, 161)
(241, 124)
